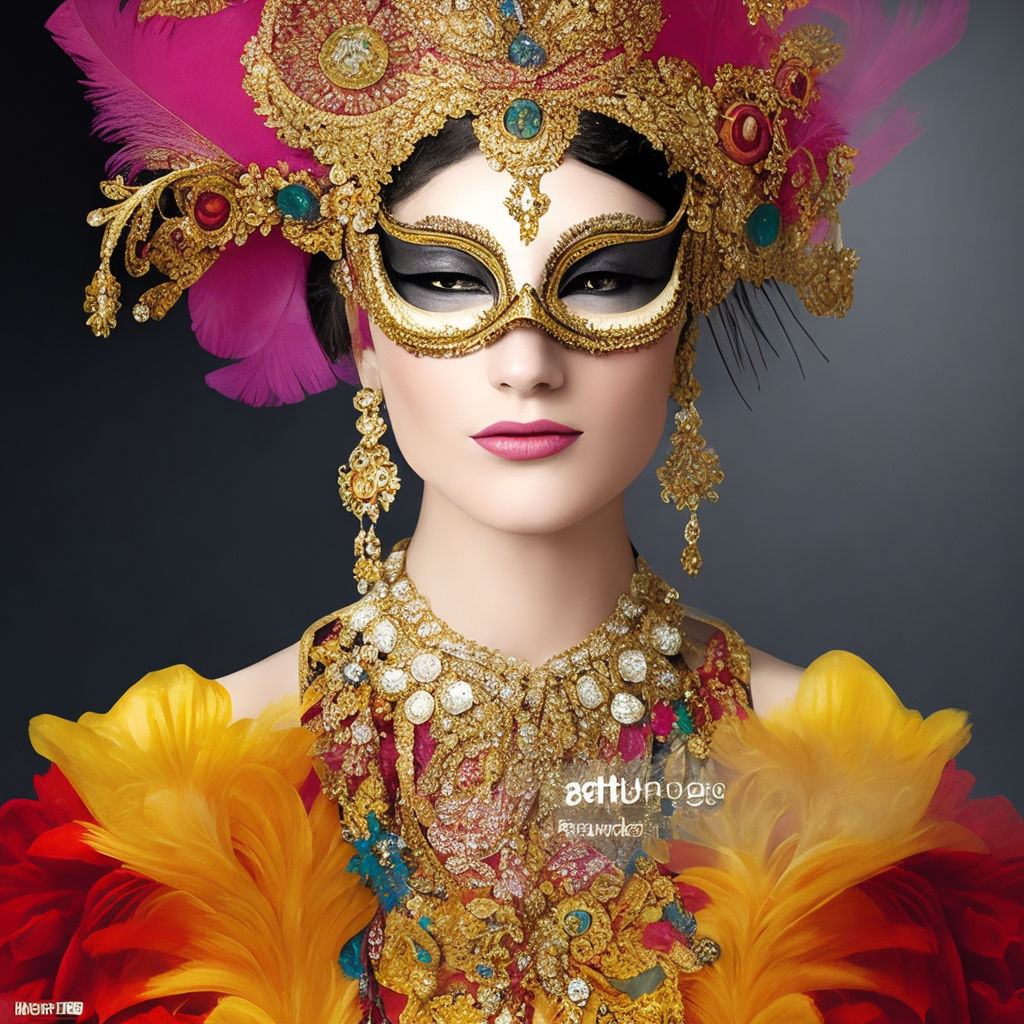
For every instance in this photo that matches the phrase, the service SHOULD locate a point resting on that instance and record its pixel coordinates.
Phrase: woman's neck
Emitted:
(527, 595)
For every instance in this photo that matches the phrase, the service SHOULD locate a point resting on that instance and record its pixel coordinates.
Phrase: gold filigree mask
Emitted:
(443, 287)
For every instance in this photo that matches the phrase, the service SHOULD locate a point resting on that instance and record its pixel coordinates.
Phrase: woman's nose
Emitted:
(526, 360)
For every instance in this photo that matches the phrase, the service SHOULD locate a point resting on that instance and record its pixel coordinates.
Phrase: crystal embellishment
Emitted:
(627, 709)
(365, 612)
(354, 673)
(419, 707)
(589, 692)
(632, 666)
(425, 668)
(667, 639)
(394, 680)
(384, 636)
(578, 990)
(457, 697)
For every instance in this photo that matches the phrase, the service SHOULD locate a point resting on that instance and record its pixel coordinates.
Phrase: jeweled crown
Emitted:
(297, 142)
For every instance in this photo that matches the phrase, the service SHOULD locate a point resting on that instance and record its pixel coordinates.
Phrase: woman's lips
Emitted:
(519, 441)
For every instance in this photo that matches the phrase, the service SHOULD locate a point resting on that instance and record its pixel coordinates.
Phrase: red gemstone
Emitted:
(211, 210)
(746, 133)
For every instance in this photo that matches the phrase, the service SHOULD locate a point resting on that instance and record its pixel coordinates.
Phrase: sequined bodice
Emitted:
(451, 763)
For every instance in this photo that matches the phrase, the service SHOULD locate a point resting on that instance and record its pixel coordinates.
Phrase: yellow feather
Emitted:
(822, 794)
(210, 809)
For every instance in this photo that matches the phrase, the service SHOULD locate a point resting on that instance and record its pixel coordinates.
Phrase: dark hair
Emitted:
(600, 142)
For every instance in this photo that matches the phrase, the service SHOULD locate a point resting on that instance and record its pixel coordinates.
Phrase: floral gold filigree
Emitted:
(496, 894)
(356, 84)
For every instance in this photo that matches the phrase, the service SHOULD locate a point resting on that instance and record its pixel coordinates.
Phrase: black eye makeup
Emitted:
(621, 277)
(437, 278)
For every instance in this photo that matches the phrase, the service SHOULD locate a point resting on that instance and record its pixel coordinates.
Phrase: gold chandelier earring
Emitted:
(691, 472)
(368, 484)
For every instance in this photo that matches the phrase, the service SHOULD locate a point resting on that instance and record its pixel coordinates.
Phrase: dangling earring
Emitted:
(368, 484)
(691, 471)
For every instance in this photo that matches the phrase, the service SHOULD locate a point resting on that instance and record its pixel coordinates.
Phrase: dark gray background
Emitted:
(873, 506)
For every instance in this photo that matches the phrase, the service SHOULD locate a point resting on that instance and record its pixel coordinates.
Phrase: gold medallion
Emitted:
(354, 56)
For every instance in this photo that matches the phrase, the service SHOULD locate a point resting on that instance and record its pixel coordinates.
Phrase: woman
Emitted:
(535, 364)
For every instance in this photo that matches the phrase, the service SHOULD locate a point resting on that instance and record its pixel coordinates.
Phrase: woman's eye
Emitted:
(599, 283)
(454, 283)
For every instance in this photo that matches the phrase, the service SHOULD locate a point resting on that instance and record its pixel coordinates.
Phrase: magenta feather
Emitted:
(152, 82)
(708, 34)
(251, 306)
(881, 54)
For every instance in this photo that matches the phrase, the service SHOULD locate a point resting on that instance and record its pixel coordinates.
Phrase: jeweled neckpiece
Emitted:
(448, 761)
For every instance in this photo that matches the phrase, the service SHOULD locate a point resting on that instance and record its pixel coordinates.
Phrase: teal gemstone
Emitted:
(576, 922)
(508, 8)
(523, 119)
(764, 225)
(425, 923)
(484, 971)
(683, 719)
(524, 51)
(423, 955)
(297, 202)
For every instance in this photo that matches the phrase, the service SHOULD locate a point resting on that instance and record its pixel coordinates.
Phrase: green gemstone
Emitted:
(523, 119)
(683, 719)
(525, 52)
(764, 225)
(576, 922)
(297, 202)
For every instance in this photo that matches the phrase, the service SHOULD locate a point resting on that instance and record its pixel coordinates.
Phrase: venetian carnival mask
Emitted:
(273, 126)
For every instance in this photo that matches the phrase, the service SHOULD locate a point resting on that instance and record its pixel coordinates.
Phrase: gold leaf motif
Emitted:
(181, 8)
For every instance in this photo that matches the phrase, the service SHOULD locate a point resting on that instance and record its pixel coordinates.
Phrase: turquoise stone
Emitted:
(764, 225)
(525, 52)
(508, 8)
(423, 955)
(484, 971)
(297, 202)
(425, 923)
(577, 921)
(683, 719)
(523, 119)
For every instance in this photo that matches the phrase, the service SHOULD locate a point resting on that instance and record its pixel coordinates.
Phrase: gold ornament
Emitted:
(691, 472)
(500, 891)
(368, 484)
(354, 85)
(689, 475)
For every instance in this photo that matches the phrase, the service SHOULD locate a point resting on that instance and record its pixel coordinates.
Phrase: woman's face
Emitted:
(524, 435)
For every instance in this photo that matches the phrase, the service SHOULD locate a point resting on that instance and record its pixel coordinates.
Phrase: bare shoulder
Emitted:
(772, 681)
(266, 682)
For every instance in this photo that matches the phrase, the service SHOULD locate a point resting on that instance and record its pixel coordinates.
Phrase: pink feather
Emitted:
(881, 54)
(152, 83)
(708, 34)
(251, 306)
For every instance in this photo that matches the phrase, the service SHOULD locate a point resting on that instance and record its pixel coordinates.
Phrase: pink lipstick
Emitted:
(520, 441)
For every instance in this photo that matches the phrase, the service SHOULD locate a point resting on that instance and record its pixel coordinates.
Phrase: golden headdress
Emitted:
(285, 154)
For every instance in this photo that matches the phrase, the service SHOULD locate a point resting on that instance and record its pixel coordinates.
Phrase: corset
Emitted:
(510, 818)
